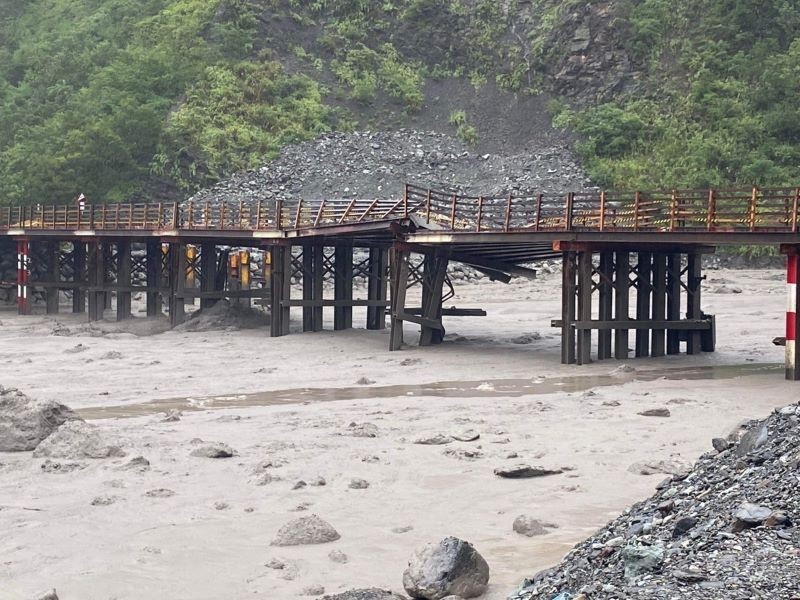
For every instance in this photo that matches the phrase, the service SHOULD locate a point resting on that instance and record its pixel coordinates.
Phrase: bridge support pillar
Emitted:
(343, 287)
(154, 263)
(792, 322)
(434, 273)
(23, 277)
(208, 273)
(399, 267)
(658, 281)
(124, 279)
(53, 250)
(97, 280)
(280, 290)
(177, 282)
(79, 277)
(313, 276)
(376, 287)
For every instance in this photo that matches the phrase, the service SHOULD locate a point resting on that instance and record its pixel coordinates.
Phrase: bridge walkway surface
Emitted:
(632, 262)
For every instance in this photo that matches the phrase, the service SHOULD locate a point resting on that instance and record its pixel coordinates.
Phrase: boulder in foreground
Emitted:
(451, 567)
(364, 594)
(25, 422)
(306, 530)
(76, 439)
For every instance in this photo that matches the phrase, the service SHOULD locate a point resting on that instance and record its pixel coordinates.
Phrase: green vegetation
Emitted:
(718, 107)
(465, 132)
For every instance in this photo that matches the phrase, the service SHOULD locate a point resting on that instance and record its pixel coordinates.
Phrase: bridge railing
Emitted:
(773, 209)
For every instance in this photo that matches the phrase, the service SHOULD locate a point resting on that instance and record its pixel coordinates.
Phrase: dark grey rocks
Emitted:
(305, 530)
(450, 567)
(364, 594)
(213, 451)
(25, 422)
(74, 440)
(525, 472)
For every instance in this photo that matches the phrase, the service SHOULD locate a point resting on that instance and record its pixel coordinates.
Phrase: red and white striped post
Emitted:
(792, 323)
(23, 276)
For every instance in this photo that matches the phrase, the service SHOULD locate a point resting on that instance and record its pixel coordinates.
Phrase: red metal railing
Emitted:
(753, 210)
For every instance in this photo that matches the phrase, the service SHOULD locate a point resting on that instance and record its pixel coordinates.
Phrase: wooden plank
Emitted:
(429, 323)
(568, 308)
(400, 271)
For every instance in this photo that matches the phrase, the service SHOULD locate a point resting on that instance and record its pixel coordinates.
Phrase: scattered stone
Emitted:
(683, 526)
(299, 485)
(305, 530)
(611, 403)
(172, 416)
(655, 412)
(51, 595)
(52, 466)
(468, 435)
(525, 471)
(137, 463)
(25, 422)
(464, 454)
(216, 450)
(720, 444)
(450, 567)
(752, 440)
(313, 590)
(338, 556)
(318, 481)
(265, 478)
(76, 349)
(651, 467)
(404, 529)
(104, 500)
(527, 338)
(358, 484)
(365, 594)
(750, 515)
(622, 370)
(276, 564)
(221, 505)
(529, 526)
(639, 559)
(76, 439)
(111, 355)
(436, 439)
(159, 493)
(363, 430)
(365, 381)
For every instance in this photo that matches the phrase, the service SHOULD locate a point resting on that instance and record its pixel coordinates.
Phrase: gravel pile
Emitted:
(377, 165)
(725, 530)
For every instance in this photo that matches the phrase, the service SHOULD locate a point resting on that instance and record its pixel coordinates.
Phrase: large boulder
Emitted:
(364, 594)
(76, 439)
(306, 530)
(24, 422)
(451, 567)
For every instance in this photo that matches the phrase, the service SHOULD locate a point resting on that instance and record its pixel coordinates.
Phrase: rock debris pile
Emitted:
(378, 164)
(725, 529)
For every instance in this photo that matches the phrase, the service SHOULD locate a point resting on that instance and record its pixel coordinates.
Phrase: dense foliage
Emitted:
(126, 98)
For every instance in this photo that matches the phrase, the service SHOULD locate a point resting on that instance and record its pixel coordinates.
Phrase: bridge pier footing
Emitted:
(655, 283)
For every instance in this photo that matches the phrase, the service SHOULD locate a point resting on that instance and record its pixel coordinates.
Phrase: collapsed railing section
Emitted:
(774, 209)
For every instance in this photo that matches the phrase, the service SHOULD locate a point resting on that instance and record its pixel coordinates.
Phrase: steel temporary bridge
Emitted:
(610, 243)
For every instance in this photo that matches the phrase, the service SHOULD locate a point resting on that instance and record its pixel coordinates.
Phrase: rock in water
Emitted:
(524, 472)
(528, 526)
(76, 439)
(364, 594)
(305, 530)
(24, 422)
(451, 567)
(51, 595)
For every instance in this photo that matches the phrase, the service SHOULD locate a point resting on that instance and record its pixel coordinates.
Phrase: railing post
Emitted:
(297, 214)
(538, 212)
(602, 211)
(569, 206)
(480, 214)
(712, 210)
(795, 203)
(103, 216)
(508, 213)
(241, 212)
(673, 210)
(278, 213)
(175, 215)
(751, 217)
(405, 203)
(453, 213)
(428, 202)
(636, 202)
(160, 216)
(258, 215)
(222, 207)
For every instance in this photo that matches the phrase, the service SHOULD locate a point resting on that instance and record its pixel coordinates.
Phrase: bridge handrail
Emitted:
(713, 210)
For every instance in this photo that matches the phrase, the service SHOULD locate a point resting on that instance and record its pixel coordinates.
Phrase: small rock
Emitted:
(436, 439)
(683, 526)
(468, 435)
(641, 559)
(525, 471)
(751, 440)
(528, 526)
(404, 529)
(364, 594)
(104, 500)
(159, 493)
(213, 451)
(51, 595)
(720, 444)
(750, 515)
(221, 505)
(172, 416)
(76, 439)
(313, 590)
(137, 463)
(299, 485)
(655, 412)
(305, 530)
(358, 484)
(365, 381)
(364, 430)
(337, 556)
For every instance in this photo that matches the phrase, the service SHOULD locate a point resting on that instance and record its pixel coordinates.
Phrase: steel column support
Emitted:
(343, 287)
(568, 308)
(643, 290)
(694, 309)
(79, 277)
(605, 303)
(177, 282)
(376, 287)
(124, 282)
(398, 264)
(208, 273)
(659, 302)
(154, 258)
(622, 284)
(97, 277)
(584, 336)
(280, 290)
(435, 271)
(53, 249)
(313, 271)
(673, 301)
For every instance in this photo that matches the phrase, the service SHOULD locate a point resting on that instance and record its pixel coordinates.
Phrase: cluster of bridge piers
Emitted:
(618, 300)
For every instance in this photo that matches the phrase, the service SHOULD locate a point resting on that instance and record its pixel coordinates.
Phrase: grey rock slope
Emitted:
(724, 530)
(25, 422)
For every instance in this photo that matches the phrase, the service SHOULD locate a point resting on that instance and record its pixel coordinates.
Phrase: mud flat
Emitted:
(336, 411)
